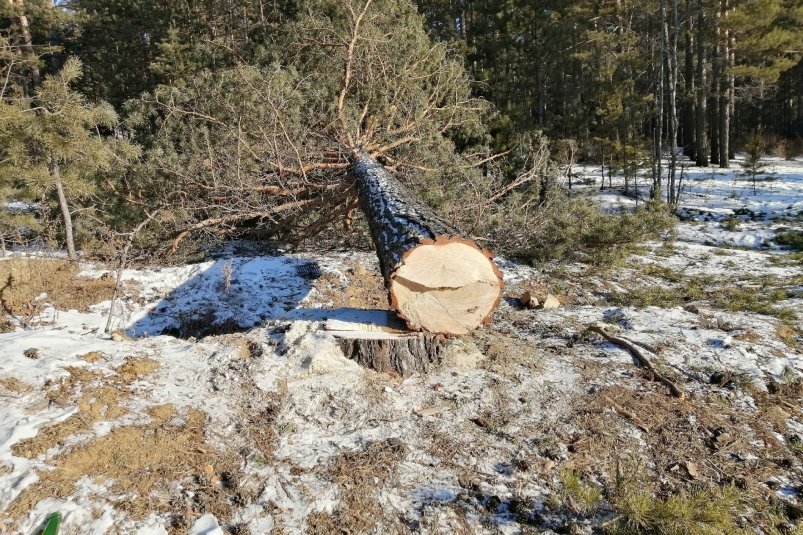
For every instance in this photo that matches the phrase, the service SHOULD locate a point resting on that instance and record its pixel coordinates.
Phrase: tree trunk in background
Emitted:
(672, 69)
(437, 281)
(658, 134)
(716, 87)
(726, 101)
(731, 92)
(55, 173)
(701, 150)
(725, 90)
(25, 28)
(713, 114)
(689, 127)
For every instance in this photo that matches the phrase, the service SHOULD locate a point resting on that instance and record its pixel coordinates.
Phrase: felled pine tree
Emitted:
(52, 145)
(294, 140)
(266, 144)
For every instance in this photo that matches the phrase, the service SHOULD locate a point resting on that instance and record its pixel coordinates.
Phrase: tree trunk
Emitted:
(437, 281)
(724, 97)
(673, 105)
(701, 137)
(402, 354)
(731, 92)
(27, 41)
(659, 112)
(689, 139)
(716, 86)
(65, 209)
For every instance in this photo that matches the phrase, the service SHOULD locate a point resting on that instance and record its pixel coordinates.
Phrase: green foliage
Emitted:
(219, 141)
(702, 512)
(734, 298)
(54, 139)
(586, 496)
(566, 227)
(731, 224)
(790, 238)
(770, 34)
(752, 165)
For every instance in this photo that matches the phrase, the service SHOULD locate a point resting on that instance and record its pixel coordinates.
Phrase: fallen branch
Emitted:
(640, 356)
(121, 265)
(627, 414)
(237, 217)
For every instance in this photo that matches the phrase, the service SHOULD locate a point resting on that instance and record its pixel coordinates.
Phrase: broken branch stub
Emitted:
(437, 281)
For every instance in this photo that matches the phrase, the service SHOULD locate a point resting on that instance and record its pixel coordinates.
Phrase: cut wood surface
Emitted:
(438, 281)
(351, 320)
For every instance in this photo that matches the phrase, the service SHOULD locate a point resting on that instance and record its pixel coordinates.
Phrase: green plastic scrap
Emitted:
(52, 524)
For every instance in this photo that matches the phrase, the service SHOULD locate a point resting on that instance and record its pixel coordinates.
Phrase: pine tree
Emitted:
(752, 164)
(52, 144)
(266, 143)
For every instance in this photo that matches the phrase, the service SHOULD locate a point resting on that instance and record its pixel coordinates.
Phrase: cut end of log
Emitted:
(447, 286)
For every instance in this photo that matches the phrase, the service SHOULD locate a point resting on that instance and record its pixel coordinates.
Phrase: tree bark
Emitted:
(65, 209)
(701, 137)
(731, 92)
(724, 96)
(716, 87)
(437, 281)
(25, 28)
(672, 69)
(689, 138)
(659, 112)
(403, 354)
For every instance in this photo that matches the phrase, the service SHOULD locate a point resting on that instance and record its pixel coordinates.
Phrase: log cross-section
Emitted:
(438, 282)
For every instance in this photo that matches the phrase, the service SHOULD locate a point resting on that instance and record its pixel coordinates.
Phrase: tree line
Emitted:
(195, 120)
(625, 77)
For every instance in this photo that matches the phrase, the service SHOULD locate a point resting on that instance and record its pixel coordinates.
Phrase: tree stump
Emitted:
(395, 353)
(437, 281)
(378, 340)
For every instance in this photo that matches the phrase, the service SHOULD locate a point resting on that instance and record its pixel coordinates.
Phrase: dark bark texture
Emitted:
(398, 222)
(404, 355)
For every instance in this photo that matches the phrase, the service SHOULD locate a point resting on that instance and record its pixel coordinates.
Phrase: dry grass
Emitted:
(94, 403)
(359, 475)
(162, 414)
(365, 289)
(710, 433)
(141, 465)
(92, 357)
(709, 430)
(136, 368)
(504, 352)
(142, 461)
(64, 392)
(260, 412)
(12, 386)
(787, 334)
(22, 281)
(97, 398)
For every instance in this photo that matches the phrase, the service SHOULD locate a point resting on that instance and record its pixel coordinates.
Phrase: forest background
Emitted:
(166, 126)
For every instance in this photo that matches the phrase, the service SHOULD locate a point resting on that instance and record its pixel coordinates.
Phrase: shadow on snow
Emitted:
(234, 295)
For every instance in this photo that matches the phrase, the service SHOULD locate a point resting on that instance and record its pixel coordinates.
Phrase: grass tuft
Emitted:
(703, 512)
(585, 497)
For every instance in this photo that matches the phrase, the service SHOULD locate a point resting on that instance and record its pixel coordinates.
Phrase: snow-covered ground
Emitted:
(296, 438)
(714, 195)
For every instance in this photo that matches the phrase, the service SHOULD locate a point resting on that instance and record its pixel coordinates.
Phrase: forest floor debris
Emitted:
(223, 397)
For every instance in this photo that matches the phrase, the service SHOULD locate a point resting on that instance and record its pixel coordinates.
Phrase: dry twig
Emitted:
(627, 414)
(640, 356)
